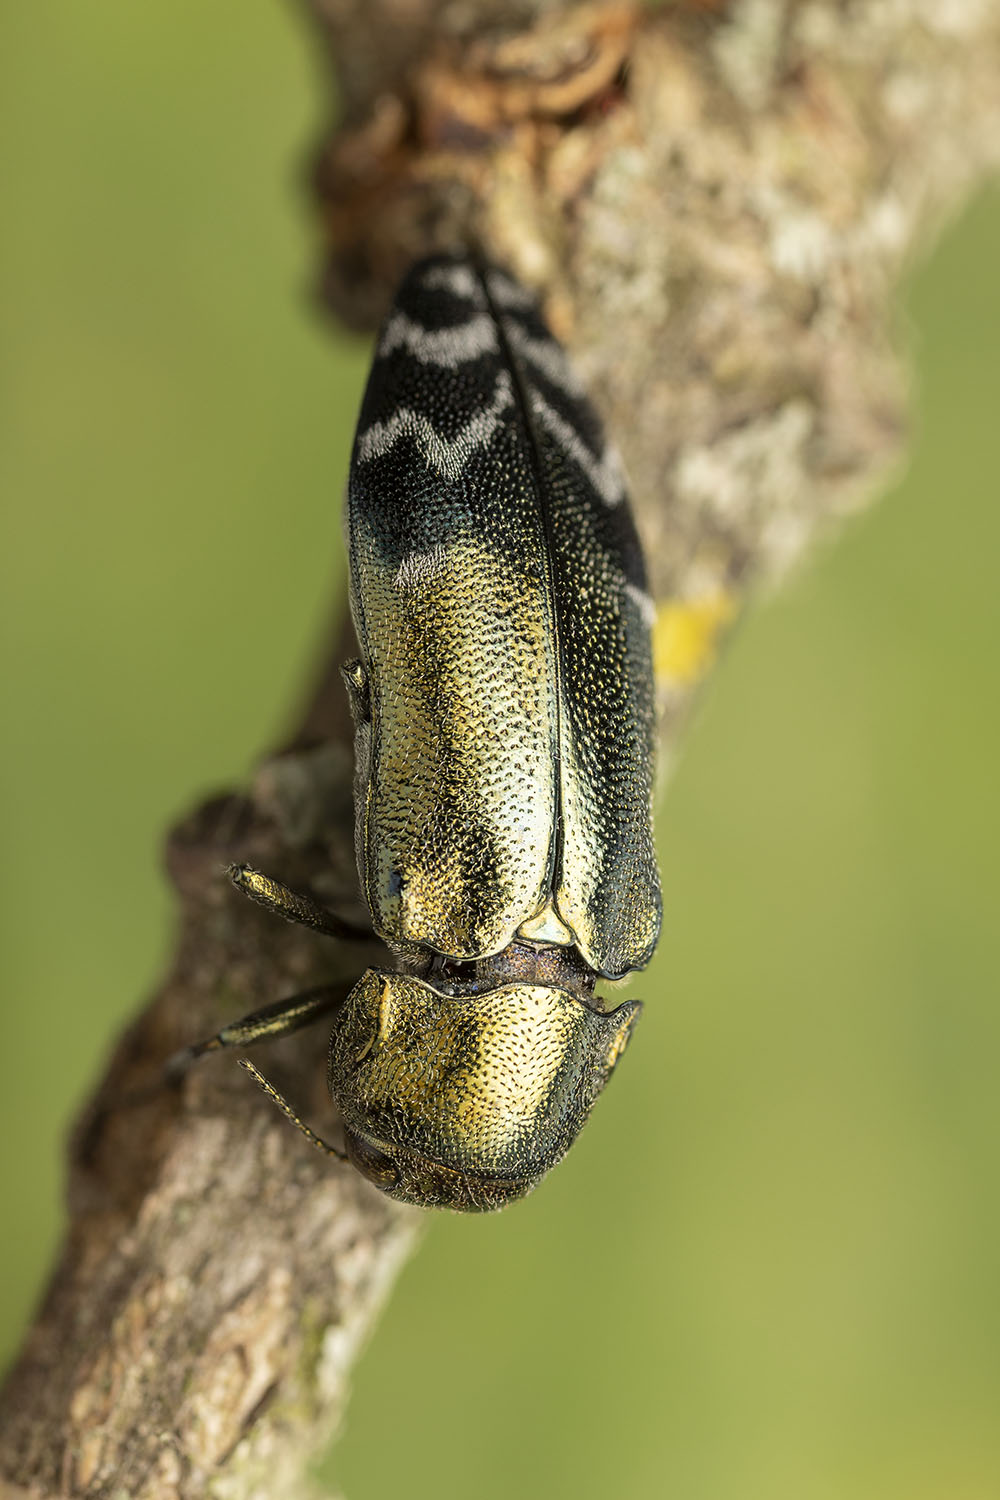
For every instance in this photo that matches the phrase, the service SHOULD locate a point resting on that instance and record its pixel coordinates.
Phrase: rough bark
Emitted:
(715, 203)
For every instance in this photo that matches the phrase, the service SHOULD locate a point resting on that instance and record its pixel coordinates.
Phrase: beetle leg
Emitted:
(289, 1113)
(295, 906)
(277, 1019)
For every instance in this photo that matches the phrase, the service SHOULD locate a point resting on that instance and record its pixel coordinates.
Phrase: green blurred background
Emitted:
(770, 1267)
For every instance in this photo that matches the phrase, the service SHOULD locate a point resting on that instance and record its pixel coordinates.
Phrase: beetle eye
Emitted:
(371, 1162)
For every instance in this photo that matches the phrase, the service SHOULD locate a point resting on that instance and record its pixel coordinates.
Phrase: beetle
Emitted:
(504, 739)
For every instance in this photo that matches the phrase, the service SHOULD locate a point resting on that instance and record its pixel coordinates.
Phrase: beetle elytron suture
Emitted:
(503, 705)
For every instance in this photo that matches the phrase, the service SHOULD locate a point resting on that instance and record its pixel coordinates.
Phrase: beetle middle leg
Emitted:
(295, 906)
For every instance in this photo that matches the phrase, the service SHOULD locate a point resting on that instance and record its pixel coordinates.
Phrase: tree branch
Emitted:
(715, 203)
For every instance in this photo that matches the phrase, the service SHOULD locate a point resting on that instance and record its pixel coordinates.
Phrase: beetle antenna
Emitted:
(289, 1113)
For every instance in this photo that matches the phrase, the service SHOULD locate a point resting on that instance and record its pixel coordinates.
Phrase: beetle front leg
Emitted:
(278, 1019)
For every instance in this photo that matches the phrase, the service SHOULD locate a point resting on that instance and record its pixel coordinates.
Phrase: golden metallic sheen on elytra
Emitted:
(459, 803)
(506, 759)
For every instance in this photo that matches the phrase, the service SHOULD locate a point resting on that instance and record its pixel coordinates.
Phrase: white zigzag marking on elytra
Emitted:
(506, 292)
(604, 473)
(643, 602)
(445, 347)
(460, 281)
(420, 568)
(447, 455)
(546, 355)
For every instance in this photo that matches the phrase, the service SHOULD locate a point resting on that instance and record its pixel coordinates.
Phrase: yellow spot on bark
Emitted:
(685, 637)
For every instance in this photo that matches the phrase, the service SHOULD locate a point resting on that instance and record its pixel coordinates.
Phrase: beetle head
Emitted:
(465, 1101)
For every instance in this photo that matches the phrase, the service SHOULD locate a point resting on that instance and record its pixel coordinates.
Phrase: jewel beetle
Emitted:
(504, 741)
